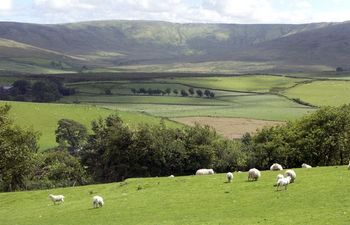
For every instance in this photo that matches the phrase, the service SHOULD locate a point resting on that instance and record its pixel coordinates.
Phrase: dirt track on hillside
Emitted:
(229, 127)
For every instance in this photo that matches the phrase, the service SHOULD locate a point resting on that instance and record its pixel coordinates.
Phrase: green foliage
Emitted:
(71, 134)
(45, 92)
(319, 139)
(17, 149)
(56, 168)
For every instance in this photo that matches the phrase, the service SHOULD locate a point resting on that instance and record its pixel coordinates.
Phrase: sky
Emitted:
(181, 11)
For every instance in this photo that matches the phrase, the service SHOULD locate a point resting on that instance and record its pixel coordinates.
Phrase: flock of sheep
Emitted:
(253, 175)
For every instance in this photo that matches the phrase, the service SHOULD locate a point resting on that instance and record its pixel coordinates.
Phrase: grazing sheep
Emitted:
(284, 181)
(253, 174)
(276, 167)
(291, 174)
(229, 177)
(306, 166)
(171, 176)
(205, 172)
(279, 176)
(56, 198)
(97, 201)
(349, 166)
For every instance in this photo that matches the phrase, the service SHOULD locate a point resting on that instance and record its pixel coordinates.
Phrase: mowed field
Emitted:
(318, 196)
(44, 117)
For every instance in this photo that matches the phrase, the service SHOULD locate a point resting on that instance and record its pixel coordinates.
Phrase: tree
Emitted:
(191, 91)
(207, 93)
(45, 91)
(133, 90)
(212, 94)
(17, 150)
(71, 134)
(199, 93)
(184, 93)
(21, 87)
(108, 91)
(168, 91)
(175, 91)
(339, 69)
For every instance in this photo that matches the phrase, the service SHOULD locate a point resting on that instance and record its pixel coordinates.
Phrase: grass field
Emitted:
(322, 93)
(44, 117)
(256, 83)
(319, 196)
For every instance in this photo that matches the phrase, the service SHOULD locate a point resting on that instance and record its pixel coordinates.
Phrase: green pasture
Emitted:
(319, 196)
(266, 107)
(322, 93)
(44, 117)
(254, 83)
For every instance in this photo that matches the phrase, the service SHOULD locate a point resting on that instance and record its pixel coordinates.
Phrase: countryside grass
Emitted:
(44, 117)
(319, 196)
(322, 93)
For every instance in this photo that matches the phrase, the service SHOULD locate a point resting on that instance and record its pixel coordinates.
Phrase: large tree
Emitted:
(17, 150)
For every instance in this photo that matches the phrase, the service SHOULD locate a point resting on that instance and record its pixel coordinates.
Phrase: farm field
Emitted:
(322, 93)
(319, 196)
(229, 127)
(44, 117)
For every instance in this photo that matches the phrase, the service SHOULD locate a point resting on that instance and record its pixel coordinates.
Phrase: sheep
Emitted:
(306, 166)
(253, 174)
(284, 181)
(279, 176)
(97, 201)
(171, 176)
(349, 166)
(276, 167)
(291, 174)
(205, 172)
(229, 177)
(56, 198)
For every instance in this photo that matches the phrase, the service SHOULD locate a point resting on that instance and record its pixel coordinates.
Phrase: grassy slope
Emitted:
(321, 93)
(44, 117)
(319, 196)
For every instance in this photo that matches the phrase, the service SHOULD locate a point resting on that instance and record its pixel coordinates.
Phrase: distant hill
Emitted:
(120, 43)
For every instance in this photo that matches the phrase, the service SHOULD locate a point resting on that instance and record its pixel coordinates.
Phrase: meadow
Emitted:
(318, 196)
(43, 117)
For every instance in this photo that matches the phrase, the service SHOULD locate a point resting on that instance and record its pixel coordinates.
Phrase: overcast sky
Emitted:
(204, 11)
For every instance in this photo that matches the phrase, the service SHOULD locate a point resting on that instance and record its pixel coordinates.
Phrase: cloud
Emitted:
(204, 11)
(5, 5)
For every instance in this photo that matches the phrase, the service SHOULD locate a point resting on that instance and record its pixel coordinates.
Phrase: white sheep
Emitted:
(171, 176)
(253, 174)
(284, 181)
(229, 177)
(349, 166)
(306, 166)
(56, 198)
(276, 167)
(97, 201)
(279, 176)
(205, 172)
(291, 174)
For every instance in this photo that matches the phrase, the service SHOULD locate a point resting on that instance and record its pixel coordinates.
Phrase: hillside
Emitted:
(119, 43)
(318, 196)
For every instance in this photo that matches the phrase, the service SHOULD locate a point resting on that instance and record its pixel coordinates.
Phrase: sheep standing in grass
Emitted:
(276, 167)
(229, 177)
(253, 174)
(56, 198)
(306, 166)
(284, 181)
(279, 176)
(291, 174)
(349, 166)
(171, 176)
(97, 201)
(205, 172)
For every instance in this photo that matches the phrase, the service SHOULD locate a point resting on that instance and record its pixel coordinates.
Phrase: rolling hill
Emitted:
(99, 44)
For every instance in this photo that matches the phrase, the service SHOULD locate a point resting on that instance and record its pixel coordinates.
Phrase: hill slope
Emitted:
(319, 196)
(116, 43)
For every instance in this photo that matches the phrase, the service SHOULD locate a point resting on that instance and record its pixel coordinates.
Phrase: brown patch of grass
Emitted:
(229, 127)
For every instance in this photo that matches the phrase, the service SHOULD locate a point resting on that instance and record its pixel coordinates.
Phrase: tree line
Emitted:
(47, 90)
(113, 151)
(184, 93)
